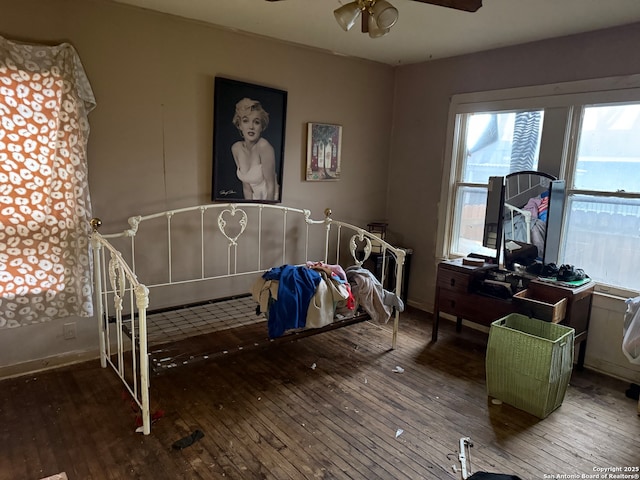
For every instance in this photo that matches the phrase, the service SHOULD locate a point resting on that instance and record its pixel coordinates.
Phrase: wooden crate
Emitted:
(540, 305)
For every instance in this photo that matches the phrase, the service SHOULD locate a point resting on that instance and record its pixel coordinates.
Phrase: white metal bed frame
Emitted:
(520, 192)
(117, 286)
(513, 211)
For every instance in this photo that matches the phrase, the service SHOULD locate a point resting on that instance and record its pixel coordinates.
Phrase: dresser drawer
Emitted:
(451, 302)
(476, 308)
(453, 280)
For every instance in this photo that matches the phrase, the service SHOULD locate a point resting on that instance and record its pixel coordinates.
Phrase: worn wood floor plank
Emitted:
(235, 442)
(448, 405)
(257, 397)
(298, 442)
(14, 459)
(336, 429)
(358, 419)
(213, 452)
(267, 414)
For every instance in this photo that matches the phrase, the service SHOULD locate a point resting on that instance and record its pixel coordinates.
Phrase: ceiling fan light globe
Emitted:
(385, 14)
(378, 33)
(347, 15)
(374, 30)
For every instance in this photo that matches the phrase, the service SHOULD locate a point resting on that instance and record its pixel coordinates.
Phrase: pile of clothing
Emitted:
(309, 296)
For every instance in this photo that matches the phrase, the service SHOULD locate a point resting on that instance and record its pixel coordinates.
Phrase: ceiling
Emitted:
(423, 32)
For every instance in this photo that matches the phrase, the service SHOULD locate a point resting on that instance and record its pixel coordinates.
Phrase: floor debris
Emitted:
(188, 440)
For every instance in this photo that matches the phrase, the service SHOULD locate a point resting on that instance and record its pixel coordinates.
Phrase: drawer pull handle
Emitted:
(453, 282)
(453, 304)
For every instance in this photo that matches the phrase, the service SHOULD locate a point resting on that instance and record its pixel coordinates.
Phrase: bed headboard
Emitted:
(234, 242)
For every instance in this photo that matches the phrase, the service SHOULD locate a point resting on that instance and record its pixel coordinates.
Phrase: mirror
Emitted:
(523, 220)
(531, 219)
(492, 236)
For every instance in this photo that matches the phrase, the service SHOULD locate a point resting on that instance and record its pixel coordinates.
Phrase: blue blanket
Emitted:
(296, 288)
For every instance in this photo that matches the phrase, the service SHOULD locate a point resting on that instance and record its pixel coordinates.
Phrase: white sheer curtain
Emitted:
(45, 207)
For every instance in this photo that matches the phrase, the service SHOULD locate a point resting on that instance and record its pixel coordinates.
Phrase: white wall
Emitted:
(604, 345)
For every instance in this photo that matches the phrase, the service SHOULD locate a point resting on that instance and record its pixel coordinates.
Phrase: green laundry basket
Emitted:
(529, 363)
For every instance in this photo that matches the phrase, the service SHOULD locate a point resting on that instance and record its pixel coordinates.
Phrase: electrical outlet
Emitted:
(69, 331)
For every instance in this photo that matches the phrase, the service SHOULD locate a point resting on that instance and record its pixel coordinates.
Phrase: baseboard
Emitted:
(612, 370)
(465, 323)
(43, 364)
(425, 307)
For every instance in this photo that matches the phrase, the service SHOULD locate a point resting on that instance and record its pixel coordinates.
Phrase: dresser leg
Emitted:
(458, 324)
(581, 353)
(434, 329)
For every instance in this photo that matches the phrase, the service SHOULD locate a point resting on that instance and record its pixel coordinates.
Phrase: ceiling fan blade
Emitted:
(466, 5)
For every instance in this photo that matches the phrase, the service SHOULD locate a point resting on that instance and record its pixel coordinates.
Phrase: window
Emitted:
(494, 144)
(44, 197)
(602, 232)
(588, 134)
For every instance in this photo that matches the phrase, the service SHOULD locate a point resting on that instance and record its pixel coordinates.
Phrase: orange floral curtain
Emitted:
(45, 207)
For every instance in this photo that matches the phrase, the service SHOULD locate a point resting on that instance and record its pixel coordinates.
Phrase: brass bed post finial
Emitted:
(327, 212)
(95, 223)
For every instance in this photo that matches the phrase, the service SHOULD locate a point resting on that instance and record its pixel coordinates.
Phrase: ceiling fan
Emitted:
(378, 16)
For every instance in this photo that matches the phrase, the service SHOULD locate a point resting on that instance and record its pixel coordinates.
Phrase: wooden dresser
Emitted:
(457, 288)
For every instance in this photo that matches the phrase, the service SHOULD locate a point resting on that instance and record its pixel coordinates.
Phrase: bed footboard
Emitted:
(360, 245)
(127, 355)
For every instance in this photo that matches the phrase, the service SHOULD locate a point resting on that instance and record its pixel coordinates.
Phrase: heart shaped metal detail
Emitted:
(362, 244)
(241, 222)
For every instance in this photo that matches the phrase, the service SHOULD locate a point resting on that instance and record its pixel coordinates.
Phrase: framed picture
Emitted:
(324, 143)
(248, 142)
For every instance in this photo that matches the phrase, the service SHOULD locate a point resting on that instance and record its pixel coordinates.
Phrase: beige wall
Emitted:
(151, 133)
(153, 80)
(421, 106)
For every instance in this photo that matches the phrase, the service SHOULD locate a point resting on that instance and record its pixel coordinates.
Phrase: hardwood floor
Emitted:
(327, 406)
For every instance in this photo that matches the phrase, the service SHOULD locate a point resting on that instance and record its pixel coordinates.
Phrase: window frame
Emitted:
(569, 98)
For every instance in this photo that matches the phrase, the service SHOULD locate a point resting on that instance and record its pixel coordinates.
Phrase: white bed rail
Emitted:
(217, 241)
